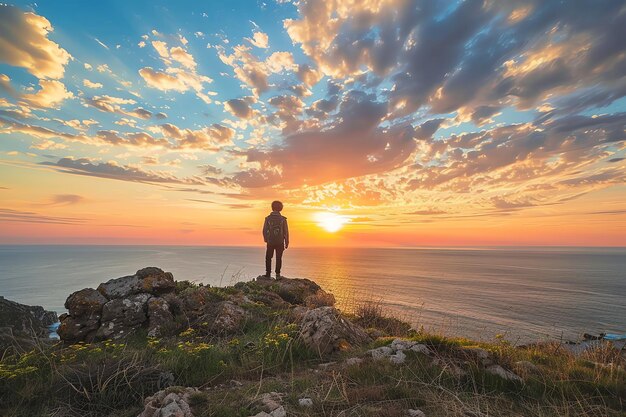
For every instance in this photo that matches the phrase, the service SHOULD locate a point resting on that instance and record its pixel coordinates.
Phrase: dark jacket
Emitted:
(266, 229)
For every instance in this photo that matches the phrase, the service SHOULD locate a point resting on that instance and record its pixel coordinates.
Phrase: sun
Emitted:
(331, 222)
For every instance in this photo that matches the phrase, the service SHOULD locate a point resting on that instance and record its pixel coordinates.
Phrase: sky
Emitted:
(376, 122)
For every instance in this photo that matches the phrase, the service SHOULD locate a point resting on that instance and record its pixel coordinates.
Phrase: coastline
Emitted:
(277, 348)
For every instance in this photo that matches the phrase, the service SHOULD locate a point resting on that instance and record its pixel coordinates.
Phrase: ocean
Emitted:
(525, 294)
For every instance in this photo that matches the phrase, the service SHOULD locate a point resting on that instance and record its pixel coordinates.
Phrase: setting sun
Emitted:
(331, 222)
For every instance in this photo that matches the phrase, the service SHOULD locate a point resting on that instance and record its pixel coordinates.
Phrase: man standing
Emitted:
(276, 235)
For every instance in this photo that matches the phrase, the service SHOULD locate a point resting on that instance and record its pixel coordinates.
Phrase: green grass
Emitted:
(113, 378)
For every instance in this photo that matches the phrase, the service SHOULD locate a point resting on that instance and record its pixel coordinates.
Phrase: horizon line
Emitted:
(322, 246)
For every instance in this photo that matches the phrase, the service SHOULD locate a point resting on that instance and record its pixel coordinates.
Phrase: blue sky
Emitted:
(492, 109)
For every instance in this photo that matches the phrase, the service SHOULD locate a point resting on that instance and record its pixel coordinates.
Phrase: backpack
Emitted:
(275, 227)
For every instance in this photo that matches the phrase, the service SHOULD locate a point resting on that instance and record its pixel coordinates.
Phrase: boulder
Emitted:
(86, 302)
(122, 316)
(198, 301)
(120, 287)
(155, 281)
(324, 330)
(160, 317)
(230, 318)
(170, 402)
(294, 290)
(503, 373)
(270, 404)
(122, 305)
(76, 329)
(149, 280)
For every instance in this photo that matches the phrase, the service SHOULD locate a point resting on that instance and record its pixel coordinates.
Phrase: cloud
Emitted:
(239, 107)
(442, 56)
(520, 153)
(24, 43)
(110, 104)
(353, 147)
(17, 216)
(180, 71)
(428, 212)
(48, 145)
(50, 95)
(210, 138)
(90, 84)
(166, 82)
(280, 61)
(251, 70)
(65, 200)
(5, 84)
(183, 57)
(309, 76)
(113, 170)
(211, 170)
(259, 39)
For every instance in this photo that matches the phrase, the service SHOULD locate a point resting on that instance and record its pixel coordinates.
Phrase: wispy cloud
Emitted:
(17, 216)
(113, 170)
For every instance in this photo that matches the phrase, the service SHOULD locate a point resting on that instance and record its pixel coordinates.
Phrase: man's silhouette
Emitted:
(276, 235)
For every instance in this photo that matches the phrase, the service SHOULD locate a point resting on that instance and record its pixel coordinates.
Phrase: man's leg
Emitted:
(269, 252)
(279, 258)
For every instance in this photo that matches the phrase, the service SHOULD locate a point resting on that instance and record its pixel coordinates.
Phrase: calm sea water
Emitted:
(525, 293)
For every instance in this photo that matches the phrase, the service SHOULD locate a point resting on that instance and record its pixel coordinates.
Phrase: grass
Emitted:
(112, 378)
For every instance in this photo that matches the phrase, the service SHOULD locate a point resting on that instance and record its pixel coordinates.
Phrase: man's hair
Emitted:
(277, 206)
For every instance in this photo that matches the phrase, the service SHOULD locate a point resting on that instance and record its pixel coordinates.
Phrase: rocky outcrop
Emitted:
(21, 324)
(297, 291)
(160, 317)
(151, 299)
(149, 280)
(119, 307)
(324, 330)
(171, 402)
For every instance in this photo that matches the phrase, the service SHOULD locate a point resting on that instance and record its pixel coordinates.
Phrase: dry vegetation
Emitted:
(112, 378)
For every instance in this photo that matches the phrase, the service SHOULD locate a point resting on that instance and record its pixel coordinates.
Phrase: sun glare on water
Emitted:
(331, 222)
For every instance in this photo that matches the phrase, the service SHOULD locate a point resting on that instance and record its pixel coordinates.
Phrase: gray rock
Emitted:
(270, 401)
(160, 318)
(400, 344)
(279, 412)
(150, 280)
(86, 302)
(324, 330)
(120, 287)
(122, 316)
(381, 352)
(415, 413)
(74, 329)
(155, 281)
(230, 318)
(353, 361)
(305, 402)
(421, 348)
(294, 290)
(503, 373)
(170, 402)
(398, 358)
